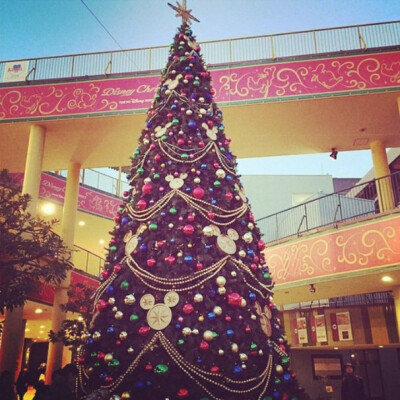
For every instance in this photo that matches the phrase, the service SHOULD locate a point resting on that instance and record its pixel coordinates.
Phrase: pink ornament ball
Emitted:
(146, 188)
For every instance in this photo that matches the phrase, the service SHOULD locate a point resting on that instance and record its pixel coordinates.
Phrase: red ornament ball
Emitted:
(144, 330)
(214, 369)
(188, 308)
(141, 204)
(198, 193)
(105, 274)
(117, 268)
(182, 393)
(204, 346)
(151, 262)
(188, 229)
(101, 304)
(234, 299)
(261, 245)
(170, 259)
(228, 195)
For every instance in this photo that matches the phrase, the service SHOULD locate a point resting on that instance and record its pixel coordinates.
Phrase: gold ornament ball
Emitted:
(96, 336)
(221, 290)
(196, 180)
(244, 366)
(147, 180)
(260, 353)
(111, 301)
(243, 303)
(130, 350)
(243, 357)
(234, 274)
(195, 331)
(119, 315)
(248, 237)
(129, 299)
(201, 318)
(220, 281)
(186, 331)
(250, 225)
(125, 395)
(208, 336)
(198, 298)
(114, 309)
(221, 352)
(220, 173)
(208, 231)
(234, 347)
(242, 254)
(217, 310)
(108, 357)
(168, 92)
(170, 226)
(203, 111)
(279, 369)
(123, 335)
(253, 317)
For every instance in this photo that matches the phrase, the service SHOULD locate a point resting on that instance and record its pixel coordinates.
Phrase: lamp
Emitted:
(334, 153)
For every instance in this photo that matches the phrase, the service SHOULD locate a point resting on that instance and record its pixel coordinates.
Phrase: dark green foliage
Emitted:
(30, 252)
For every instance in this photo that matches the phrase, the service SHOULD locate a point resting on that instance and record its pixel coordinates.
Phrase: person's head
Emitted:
(70, 372)
(348, 368)
(6, 377)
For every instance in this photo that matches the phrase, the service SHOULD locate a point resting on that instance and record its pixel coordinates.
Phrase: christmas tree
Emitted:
(184, 309)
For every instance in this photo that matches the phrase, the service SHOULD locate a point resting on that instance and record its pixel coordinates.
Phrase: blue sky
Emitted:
(40, 28)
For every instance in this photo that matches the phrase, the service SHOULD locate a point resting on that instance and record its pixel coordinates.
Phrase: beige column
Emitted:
(55, 355)
(381, 169)
(12, 342)
(396, 296)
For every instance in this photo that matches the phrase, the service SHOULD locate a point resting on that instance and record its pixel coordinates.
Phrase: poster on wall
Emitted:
(341, 326)
(15, 71)
(302, 330)
(318, 326)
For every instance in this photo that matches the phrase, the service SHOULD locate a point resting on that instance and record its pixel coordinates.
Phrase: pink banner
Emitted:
(53, 188)
(263, 82)
(370, 245)
(44, 292)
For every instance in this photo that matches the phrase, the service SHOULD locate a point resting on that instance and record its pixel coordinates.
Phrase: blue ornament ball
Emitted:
(188, 259)
(211, 316)
(230, 333)
(139, 384)
(252, 296)
(110, 330)
(125, 220)
(237, 369)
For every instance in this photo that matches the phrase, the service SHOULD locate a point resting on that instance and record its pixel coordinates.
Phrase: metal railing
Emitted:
(87, 261)
(99, 180)
(357, 202)
(347, 38)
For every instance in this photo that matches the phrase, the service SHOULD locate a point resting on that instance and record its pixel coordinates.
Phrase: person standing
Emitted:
(22, 383)
(7, 387)
(352, 384)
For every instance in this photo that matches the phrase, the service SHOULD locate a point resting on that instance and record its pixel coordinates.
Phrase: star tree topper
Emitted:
(183, 12)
